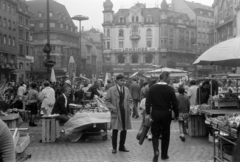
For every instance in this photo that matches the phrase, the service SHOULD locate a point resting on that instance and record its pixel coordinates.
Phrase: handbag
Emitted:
(143, 130)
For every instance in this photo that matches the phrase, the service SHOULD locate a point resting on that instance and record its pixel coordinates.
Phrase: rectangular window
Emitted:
(27, 22)
(149, 43)
(41, 25)
(121, 44)
(21, 33)
(13, 25)
(27, 50)
(13, 43)
(4, 6)
(4, 23)
(9, 24)
(52, 25)
(61, 26)
(108, 45)
(13, 11)
(27, 35)
(199, 23)
(0, 38)
(9, 41)
(171, 44)
(4, 39)
(20, 49)
(171, 32)
(0, 21)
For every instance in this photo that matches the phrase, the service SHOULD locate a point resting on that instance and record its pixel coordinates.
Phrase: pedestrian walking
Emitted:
(33, 103)
(192, 92)
(47, 96)
(135, 90)
(162, 99)
(118, 101)
(184, 107)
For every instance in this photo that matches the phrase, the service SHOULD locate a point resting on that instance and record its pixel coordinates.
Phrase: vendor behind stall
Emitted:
(94, 90)
(203, 93)
(61, 106)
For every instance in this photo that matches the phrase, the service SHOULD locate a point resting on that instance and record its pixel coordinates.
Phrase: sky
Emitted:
(93, 9)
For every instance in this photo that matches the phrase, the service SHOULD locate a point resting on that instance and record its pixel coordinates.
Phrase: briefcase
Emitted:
(143, 130)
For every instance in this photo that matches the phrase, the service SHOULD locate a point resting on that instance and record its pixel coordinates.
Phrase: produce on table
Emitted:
(228, 120)
(94, 106)
(196, 109)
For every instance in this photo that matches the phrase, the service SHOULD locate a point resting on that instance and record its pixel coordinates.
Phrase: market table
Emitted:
(11, 120)
(81, 121)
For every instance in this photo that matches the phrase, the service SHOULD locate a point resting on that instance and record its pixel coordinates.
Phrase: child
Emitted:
(184, 107)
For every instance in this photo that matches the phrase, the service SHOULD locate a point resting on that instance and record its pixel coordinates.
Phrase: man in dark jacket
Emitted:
(94, 90)
(135, 90)
(61, 106)
(162, 99)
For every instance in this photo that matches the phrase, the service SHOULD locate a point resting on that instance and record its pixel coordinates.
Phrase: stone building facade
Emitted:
(135, 39)
(204, 17)
(8, 39)
(64, 38)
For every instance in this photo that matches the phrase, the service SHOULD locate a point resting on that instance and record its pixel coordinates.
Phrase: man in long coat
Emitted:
(118, 101)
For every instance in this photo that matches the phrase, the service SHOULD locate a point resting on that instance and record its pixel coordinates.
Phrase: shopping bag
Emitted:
(143, 130)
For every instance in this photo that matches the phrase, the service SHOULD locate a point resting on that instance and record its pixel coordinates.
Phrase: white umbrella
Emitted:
(106, 79)
(170, 70)
(53, 77)
(71, 69)
(226, 53)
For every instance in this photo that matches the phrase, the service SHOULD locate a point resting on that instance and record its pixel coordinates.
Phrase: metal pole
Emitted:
(48, 39)
(80, 50)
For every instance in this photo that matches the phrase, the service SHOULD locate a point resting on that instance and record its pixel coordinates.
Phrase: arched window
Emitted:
(148, 59)
(149, 32)
(108, 45)
(108, 32)
(121, 33)
(135, 59)
(20, 65)
(121, 20)
(121, 59)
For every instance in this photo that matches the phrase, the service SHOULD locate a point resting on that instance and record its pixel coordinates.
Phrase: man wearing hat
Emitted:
(118, 101)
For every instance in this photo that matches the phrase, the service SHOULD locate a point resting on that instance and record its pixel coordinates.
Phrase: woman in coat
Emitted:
(118, 101)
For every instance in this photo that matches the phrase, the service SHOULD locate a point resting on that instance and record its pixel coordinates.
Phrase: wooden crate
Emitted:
(220, 104)
(196, 126)
(10, 120)
(50, 129)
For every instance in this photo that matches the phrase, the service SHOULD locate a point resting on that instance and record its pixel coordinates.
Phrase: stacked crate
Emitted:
(197, 126)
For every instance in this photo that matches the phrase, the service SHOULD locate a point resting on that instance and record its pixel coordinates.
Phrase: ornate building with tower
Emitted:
(137, 38)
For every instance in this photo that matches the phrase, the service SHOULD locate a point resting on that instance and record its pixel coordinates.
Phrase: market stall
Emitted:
(92, 117)
(225, 130)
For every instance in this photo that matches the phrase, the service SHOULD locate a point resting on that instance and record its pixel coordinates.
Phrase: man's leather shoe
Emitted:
(165, 157)
(123, 149)
(114, 151)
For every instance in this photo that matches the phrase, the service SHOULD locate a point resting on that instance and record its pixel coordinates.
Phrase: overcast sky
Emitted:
(93, 8)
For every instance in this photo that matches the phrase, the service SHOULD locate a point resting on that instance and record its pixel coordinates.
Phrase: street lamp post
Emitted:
(80, 18)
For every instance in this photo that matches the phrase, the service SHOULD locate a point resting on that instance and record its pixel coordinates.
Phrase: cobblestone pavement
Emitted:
(97, 150)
